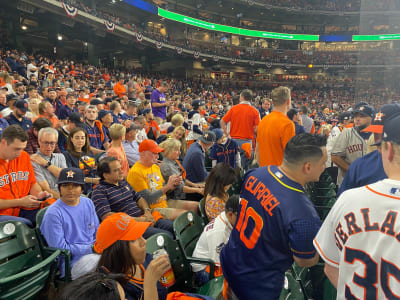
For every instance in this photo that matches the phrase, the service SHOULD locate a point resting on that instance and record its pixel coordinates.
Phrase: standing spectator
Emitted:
(307, 122)
(275, 130)
(358, 240)
(352, 142)
(131, 145)
(194, 161)
(119, 88)
(283, 224)
(47, 164)
(71, 222)
(19, 190)
(265, 107)
(294, 116)
(117, 134)
(243, 119)
(17, 117)
(158, 103)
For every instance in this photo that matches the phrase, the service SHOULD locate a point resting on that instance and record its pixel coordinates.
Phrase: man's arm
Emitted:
(332, 273)
(54, 170)
(46, 187)
(156, 104)
(222, 123)
(306, 262)
(340, 162)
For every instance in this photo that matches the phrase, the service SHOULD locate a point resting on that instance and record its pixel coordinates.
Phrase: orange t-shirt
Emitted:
(119, 89)
(273, 133)
(244, 119)
(16, 179)
(119, 153)
(54, 120)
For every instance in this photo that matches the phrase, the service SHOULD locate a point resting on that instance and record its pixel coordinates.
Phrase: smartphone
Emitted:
(44, 198)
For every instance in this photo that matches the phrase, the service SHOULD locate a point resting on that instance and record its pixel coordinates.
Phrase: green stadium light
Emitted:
(377, 37)
(235, 30)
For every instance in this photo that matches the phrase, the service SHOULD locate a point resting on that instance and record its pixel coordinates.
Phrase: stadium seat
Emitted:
(24, 266)
(64, 252)
(213, 288)
(202, 210)
(184, 277)
(188, 228)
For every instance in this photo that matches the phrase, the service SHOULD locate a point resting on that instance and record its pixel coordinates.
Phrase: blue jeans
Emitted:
(18, 219)
(161, 226)
(243, 158)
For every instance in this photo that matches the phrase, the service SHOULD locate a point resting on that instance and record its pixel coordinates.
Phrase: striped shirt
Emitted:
(108, 198)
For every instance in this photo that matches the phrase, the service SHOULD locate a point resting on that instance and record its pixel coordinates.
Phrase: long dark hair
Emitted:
(70, 145)
(220, 176)
(118, 259)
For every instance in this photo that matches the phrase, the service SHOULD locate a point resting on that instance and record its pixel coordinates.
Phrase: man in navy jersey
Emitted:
(276, 222)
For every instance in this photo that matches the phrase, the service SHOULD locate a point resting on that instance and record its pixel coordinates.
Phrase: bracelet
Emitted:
(47, 165)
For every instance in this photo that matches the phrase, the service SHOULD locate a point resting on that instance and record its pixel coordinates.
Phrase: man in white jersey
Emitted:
(360, 239)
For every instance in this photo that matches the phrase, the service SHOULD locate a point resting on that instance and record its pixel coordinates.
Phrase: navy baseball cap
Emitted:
(76, 118)
(96, 102)
(391, 132)
(386, 112)
(22, 105)
(71, 175)
(366, 110)
(208, 137)
(344, 116)
(103, 113)
(218, 133)
(197, 103)
(146, 111)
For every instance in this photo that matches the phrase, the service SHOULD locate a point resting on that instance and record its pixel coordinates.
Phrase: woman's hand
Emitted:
(157, 268)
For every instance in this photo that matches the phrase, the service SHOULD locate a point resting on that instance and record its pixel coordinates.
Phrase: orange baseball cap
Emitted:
(118, 227)
(150, 145)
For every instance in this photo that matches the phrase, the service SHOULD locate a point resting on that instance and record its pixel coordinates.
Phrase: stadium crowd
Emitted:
(116, 157)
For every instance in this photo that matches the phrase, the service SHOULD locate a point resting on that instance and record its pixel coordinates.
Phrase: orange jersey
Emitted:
(16, 179)
(119, 89)
(54, 120)
(273, 133)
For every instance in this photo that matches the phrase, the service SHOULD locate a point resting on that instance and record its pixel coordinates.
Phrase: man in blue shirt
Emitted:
(194, 161)
(66, 110)
(276, 222)
(18, 115)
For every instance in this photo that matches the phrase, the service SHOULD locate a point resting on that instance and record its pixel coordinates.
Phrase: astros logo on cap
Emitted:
(70, 174)
(379, 116)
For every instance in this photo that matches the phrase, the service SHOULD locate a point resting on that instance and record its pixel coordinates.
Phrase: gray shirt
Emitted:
(169, 167)
(42, 174)
(307, 123)
(131, 151)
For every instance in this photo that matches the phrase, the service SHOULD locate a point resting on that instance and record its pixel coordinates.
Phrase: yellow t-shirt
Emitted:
(142, 178)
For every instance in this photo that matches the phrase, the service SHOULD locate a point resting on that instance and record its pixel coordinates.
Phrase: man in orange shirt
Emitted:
(275, 130)
(19, 191)
(46, 110)
(119, 88)
(243, 120)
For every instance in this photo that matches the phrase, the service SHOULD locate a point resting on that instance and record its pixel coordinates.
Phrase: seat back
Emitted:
(188, 228)
(180, 266)
(24, 265)
(202, 210)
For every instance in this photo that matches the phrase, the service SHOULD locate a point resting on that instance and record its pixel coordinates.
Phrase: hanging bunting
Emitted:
(233, 61)
(268, 64)
(251, 63)
(196, 54)
(179, 50)
(326, 67)
(215, 58)
(139, 37)
(70, 10)
(110, 26)
(159, 45)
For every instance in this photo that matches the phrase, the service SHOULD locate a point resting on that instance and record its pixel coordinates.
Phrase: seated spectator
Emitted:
(214, 237)
(74, 120)
(71, 222)
(194, 161)
(113, 195)
(105, 117)
(141, 134)
(98, 103)
(47, 164)
(17, 116)
(119, 88)
(3, 125)
(171, 166)
(146, 179)
(151, 127)
(225, 150)
(131, 111)
(33, 108)
(46, 110)
(117, 134)
(95, 130)
(3, 100)
(179, 134)
(130, 144)
(11, 99)
(116, 112)
(33, 144)
(293, 114)
(221, 178)
(79, 155)
(67, 109)
(176, 121)
(18, 187)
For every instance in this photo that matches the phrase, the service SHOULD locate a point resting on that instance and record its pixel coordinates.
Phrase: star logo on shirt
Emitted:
(70, 174)
(379, 116)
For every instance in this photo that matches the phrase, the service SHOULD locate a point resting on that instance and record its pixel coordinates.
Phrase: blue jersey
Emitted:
(276, 220)
(225, 153)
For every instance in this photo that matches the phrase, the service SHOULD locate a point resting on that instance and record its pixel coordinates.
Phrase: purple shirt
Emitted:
(157, 97)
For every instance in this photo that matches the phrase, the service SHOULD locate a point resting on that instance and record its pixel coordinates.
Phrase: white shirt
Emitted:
(214, 237)
(141, 135)
(352, 240)
(29, 71)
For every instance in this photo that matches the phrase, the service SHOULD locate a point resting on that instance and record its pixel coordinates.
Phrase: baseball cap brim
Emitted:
(374, 129)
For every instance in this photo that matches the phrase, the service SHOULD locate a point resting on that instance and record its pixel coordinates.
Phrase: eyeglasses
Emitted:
(49, 143)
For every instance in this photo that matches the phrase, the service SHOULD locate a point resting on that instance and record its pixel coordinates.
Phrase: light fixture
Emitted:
(85, 44)
(59, 37)
(24, 27)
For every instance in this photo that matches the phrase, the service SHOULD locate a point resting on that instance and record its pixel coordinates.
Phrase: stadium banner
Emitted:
(110, 26)
(70, 10)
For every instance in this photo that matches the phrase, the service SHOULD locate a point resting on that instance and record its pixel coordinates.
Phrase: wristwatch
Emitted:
(47, 165)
